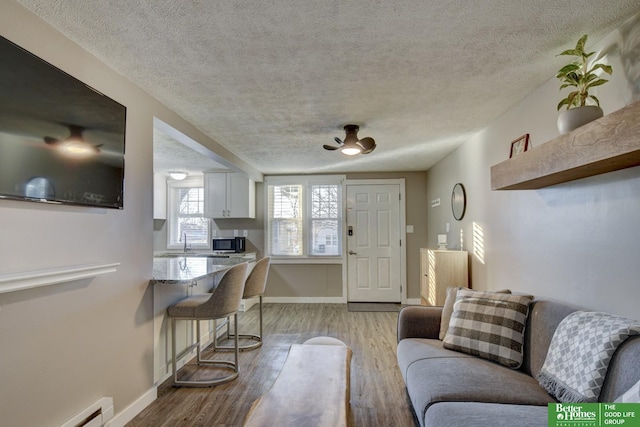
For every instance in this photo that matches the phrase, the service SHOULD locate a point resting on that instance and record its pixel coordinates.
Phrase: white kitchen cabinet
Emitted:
(159, 196)
(229, 195)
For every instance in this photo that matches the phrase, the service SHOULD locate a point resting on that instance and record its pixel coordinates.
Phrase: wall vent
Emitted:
(95, 415)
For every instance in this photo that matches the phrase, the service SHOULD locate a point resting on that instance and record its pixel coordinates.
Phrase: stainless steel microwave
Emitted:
(229, 244)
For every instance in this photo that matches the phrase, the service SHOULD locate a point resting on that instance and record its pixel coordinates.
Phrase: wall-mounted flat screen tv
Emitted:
(60, 140)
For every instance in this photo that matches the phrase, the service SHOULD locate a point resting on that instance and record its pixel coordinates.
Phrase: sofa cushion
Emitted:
(544, 317)
(489, 325)
(623, 371)
(412, 350)
(469, 379)
(630, 396)
(447, 308)
(472, 414)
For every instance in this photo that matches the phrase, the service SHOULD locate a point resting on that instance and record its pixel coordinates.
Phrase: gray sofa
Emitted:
(448, 388)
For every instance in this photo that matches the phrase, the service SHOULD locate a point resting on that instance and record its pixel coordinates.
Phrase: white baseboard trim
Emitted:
(248, 303)
(130, 412)
(321, 300)
(306, 300)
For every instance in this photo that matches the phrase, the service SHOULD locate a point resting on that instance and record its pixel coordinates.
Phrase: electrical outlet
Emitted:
(235, 233)
(245, 233)
(214, 233)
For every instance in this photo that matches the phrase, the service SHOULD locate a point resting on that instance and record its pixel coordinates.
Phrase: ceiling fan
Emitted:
(75, 144)
(351, 144)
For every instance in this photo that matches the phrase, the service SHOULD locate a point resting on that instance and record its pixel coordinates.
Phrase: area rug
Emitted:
(373, 306)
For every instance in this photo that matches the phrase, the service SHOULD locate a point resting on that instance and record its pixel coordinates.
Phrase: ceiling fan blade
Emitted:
(51, 141)
(330, 147)
(338, 140)
(367, 144)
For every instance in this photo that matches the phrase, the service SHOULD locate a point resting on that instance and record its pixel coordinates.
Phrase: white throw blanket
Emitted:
(580, 352)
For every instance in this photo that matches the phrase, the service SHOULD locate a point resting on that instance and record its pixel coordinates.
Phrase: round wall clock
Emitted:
(458, 201)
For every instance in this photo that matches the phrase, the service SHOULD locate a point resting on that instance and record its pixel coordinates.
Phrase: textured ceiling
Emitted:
(273, 81)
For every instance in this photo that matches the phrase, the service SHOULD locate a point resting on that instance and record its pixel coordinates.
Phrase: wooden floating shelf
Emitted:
(605, 145)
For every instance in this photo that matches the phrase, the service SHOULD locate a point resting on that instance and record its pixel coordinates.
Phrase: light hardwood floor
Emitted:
(378, 396)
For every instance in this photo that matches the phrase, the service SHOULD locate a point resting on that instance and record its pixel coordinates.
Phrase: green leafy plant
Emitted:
(578, 74)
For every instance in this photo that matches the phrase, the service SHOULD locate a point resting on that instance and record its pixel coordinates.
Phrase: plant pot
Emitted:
(569, 120)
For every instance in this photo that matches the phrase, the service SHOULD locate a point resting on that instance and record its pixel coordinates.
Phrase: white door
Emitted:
(373, 243)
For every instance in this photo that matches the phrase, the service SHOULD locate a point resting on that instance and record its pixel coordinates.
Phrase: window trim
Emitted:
(306, 181)
(172, 212)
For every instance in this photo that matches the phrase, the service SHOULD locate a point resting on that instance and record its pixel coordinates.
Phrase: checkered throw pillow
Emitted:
(489, 325)
(630, 396)
(447, 308)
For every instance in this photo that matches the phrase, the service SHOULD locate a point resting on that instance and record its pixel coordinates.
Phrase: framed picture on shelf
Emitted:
(519, 145)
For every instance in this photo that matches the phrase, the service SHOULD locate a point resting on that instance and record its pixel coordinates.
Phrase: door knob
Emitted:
(353, 253)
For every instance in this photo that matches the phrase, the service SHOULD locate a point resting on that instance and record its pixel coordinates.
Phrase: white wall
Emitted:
(577, 242)
(63, 347)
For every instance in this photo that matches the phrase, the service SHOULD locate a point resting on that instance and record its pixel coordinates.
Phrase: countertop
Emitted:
(187, 269)
(213, 254)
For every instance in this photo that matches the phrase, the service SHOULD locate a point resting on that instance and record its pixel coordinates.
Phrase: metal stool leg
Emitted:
(174, 360)
(200, 361)
(257, 338)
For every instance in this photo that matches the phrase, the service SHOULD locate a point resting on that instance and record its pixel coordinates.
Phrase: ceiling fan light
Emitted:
(352, 146)
(351, 151)
(178, 175)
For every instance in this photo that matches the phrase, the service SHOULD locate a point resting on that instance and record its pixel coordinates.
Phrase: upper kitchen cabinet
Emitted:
(229, 195)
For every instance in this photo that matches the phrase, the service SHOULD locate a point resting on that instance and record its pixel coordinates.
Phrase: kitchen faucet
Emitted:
(184, 235)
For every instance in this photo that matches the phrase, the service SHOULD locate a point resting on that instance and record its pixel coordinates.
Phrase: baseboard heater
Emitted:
(95, 415)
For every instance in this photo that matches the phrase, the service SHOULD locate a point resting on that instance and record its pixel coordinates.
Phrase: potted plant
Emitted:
(579, 74)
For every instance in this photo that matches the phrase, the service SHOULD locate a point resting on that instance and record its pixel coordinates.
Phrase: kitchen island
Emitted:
(176, 276)
(187, 268)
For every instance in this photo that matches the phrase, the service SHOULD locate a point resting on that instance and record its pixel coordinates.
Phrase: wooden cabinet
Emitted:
(439, 269)
(229, 195)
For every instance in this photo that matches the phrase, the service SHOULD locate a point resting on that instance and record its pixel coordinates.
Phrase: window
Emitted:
(285, 220)
(324, 218)
(186, 221)
(304, 216)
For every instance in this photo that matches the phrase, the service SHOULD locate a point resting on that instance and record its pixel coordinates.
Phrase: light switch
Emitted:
(447, 227)
(409, 228)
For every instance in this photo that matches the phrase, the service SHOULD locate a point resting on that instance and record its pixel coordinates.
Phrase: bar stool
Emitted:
(253, 287)
(223, 302)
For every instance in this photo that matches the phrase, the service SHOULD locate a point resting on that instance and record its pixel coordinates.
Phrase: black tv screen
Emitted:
(61, 141)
